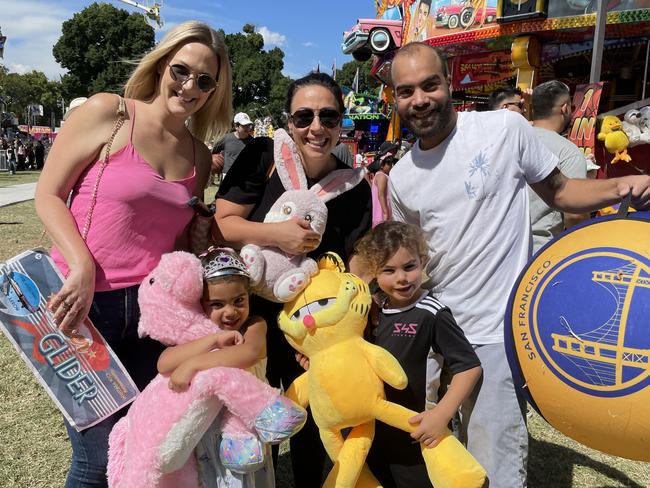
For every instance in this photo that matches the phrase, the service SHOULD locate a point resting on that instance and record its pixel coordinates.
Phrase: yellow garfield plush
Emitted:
(344, 385)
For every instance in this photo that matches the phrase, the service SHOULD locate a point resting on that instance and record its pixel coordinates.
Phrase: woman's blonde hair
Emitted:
(213, 120)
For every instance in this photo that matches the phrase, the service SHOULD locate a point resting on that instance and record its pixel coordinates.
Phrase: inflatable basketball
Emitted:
(577, 334)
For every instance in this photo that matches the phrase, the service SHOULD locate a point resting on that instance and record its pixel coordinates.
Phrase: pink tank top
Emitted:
(137, 217)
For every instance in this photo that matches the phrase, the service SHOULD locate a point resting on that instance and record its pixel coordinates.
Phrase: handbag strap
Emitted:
(121, 116)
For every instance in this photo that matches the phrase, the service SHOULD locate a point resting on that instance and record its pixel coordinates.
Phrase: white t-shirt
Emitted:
(468, 194)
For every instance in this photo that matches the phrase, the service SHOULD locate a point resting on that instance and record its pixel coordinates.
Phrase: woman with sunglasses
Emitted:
(178, 96)
(315, 107)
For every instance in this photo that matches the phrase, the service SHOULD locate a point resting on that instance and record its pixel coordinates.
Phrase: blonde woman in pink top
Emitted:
(178, 97)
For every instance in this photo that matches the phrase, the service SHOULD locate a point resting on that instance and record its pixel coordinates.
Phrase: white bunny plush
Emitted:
(276, 275)
(631, 126)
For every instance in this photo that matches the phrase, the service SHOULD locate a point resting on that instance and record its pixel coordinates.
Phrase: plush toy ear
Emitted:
(337, 182)
(180, 274)
(331, 261)
(287, 162)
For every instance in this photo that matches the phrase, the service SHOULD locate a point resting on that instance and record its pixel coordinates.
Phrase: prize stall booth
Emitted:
(494, 43)
(365, 124)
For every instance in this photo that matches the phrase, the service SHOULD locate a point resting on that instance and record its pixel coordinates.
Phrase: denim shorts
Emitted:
(115, 314)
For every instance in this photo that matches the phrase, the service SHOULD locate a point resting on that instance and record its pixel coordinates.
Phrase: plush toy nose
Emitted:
(308, 321)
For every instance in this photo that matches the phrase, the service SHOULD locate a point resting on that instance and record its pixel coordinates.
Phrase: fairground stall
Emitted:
(494, 43)
(366, 122)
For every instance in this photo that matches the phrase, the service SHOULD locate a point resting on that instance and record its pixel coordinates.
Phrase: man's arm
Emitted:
(581, 196)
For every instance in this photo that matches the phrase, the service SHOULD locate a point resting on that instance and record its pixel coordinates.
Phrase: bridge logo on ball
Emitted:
(588, 320)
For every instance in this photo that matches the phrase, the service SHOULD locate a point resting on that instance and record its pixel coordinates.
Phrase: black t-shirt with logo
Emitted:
(410, 334)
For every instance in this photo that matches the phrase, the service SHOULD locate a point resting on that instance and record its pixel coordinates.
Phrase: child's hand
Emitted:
(303, 361)
(228, 338)
(431, 429)
(180, 379)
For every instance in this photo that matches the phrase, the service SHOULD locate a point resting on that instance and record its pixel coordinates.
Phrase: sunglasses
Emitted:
(519, 104)
(181, 74)
(329, 117)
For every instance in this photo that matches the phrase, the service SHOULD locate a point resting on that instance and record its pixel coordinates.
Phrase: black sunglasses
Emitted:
(519, 104)
(329, 117)
(181, 74)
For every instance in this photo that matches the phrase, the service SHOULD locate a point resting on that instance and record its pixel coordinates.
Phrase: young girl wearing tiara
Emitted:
(415, 328)
(226, 302)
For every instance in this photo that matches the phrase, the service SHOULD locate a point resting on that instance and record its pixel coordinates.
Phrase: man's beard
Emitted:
(436, 122)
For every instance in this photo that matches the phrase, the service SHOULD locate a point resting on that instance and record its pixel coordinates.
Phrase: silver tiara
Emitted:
(223, 262)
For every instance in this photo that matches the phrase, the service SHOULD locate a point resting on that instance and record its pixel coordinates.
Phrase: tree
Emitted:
(367, 84)
(95, 47)
(20, 91)
(259, 87)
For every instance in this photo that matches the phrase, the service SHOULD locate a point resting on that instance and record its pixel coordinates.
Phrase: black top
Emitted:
(252, 181)
(410, 333)
(248, 182)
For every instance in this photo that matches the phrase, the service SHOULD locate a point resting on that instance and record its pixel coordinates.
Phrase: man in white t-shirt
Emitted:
(551, 117)
(464, 184)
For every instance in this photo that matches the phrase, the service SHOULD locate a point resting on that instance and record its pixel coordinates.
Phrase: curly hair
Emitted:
(380, 243)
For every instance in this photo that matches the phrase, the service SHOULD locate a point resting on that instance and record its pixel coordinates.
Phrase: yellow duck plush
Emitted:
(616, 141)
(344, 385)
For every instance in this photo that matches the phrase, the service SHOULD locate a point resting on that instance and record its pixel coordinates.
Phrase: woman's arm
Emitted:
(292, 236)
(243, 355)
(174, 356)
(203, 164)
(80, 142)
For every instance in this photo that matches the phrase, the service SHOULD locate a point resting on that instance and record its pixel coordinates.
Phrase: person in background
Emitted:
(315, 105)
(509, 98)
(39, 154)
(178, 96)
(11, 158)
(464, 185)
(227, 149)
(552, 115)
(379, 171)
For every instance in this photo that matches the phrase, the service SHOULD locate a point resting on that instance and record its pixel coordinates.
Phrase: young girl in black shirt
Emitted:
(415, 328)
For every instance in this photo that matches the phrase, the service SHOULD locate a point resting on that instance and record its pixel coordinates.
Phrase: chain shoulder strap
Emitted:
(121, 116)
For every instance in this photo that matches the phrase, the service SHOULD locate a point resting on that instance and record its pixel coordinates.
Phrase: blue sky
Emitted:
(308, 32)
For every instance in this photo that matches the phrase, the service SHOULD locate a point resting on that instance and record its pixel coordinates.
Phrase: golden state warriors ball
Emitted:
(578, 334)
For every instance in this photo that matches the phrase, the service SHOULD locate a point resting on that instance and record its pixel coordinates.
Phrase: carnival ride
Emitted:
(151, 12)
(372, 36)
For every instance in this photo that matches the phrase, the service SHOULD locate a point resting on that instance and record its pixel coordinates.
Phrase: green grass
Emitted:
(19, 178)
(35, 452)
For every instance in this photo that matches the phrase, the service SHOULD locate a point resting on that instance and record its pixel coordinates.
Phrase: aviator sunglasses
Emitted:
(303, 117)
(519, 104)
(181, 74)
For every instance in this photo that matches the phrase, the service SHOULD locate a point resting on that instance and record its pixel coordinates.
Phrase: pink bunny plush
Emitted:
(276, 275)
(152, 446)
